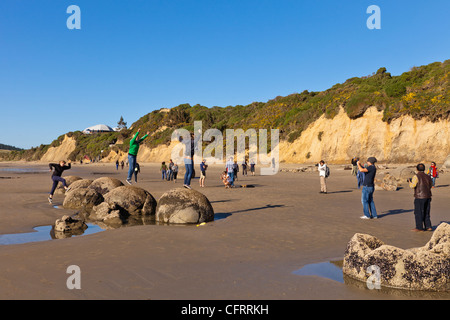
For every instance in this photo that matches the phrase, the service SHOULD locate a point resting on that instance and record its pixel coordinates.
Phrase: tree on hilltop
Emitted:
(121, 124)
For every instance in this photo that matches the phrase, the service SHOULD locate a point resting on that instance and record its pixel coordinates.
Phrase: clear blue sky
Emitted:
(134, 56)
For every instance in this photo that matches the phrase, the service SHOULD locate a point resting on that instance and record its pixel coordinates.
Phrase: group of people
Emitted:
(421, 182)
(230, 174)
(169, 172)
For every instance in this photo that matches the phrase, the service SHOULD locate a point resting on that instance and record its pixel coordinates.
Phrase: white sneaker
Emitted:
(50, 200)
(129, 182)
(364, 217)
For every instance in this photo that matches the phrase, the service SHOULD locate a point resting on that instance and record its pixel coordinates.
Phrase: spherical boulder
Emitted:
(104, 185)
(184, 206)
(82, 199)
(82, 183)
(131, 200)
(69, 181)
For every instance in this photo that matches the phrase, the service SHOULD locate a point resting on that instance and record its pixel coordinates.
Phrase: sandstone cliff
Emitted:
(339, 139)
(336, 140)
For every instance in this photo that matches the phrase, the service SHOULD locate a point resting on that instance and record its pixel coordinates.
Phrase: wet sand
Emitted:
(260, 237)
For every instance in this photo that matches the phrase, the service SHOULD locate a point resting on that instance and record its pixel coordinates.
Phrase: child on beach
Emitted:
(226, 179)
(58, 169)
(433, 173)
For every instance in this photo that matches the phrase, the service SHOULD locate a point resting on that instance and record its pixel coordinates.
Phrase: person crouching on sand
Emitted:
(58, 169)
(226, 179)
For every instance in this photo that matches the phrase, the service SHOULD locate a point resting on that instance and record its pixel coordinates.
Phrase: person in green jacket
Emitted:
(132, 153)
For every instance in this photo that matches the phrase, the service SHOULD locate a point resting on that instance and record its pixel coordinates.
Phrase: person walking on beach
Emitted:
(132, 153)
(433, 173)
(252, 166)
(122, 164)
(137, 170)
(170, 171)
(244, 167)
(163, 170)
(235, 171)
(58, 170)
(422, 183)
(203, 167)
(322, 168)
(174, 172)
(190, 146)
(354, 166)
(117, 164)
(368, 189)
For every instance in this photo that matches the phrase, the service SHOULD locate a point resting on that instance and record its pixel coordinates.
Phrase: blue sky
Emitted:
(134, 56)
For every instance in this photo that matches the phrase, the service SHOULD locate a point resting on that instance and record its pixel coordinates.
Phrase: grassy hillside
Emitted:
(422, 92)
(8, 147)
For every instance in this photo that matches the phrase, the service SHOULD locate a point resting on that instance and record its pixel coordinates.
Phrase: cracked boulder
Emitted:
(425, 268)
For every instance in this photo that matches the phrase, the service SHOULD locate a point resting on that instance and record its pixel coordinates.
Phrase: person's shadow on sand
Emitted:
(223, 215)
(394, 211)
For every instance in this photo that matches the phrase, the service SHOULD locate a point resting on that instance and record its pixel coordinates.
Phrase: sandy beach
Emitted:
(260, 237)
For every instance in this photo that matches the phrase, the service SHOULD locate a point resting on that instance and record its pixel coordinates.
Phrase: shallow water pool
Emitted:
(43, 233)
(330, 270)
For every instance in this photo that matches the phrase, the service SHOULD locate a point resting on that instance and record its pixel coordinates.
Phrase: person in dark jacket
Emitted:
(422, 183)
(58, 170)
(368, 189)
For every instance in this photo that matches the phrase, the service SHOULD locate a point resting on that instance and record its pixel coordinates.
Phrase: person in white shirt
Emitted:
(322, 168)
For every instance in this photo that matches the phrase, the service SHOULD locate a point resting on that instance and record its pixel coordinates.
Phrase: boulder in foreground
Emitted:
(123, 203)
(68, 224)
(183, 206)
(424, 268)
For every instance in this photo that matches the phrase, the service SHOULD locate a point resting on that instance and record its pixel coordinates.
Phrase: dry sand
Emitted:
(262, 235)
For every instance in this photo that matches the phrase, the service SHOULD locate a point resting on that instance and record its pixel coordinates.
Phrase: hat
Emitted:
(372, 160)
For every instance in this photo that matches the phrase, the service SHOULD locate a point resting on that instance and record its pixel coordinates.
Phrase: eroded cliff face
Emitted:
(336, 140)
(339, 139)
(62, 152)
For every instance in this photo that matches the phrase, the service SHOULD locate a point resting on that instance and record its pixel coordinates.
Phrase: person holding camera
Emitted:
(422, 184)
(322, 168)
(203, 167)
(368, 189)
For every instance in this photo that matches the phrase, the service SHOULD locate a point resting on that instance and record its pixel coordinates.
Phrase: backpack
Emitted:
(327, 172)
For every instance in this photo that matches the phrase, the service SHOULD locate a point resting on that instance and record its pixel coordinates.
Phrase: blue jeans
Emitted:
(56, 180)
(188, 174)
(132, 166)
(367, 202)
(231, 174)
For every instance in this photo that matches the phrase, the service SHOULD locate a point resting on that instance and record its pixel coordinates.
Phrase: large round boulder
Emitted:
(424, 268)
(131, 200)
(69, 181)
(82, 199)
(82, 183)
(104, 185)
(184, 206)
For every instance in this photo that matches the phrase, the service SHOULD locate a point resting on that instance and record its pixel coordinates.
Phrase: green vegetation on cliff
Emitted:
(422, 92)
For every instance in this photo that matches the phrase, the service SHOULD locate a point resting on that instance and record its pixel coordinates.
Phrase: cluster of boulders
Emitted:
(108, 201)
(423, 268)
